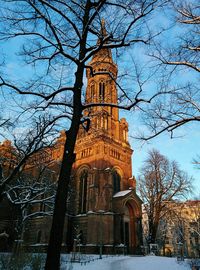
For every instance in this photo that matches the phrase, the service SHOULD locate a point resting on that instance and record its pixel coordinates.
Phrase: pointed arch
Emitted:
(132, 225)
(92, 90)
(83, 191)
(116, 182)
(134, 205)
(116, 179)
(102, 91)
(83, 182)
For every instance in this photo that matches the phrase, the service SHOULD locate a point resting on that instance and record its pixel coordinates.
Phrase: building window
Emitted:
(116, 182)
(102, 91)
(92, 92)
(83, 191)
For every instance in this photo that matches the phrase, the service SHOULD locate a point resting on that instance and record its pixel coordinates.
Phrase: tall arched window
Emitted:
(116, 182)
(83, 191)
(92, 92)
(102, 91)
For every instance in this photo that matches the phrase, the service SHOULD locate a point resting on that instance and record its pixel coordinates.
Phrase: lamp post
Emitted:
(101, 234)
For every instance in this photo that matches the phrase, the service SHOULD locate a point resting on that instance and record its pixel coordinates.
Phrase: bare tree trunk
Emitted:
(154, 232)
(56, 234)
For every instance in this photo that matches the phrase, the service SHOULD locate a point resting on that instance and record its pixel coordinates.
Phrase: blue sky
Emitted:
(182, 149)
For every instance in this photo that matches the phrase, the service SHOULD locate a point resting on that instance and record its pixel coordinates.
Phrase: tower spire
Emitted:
(103, 32)
(102, 88)
(103, 28)
(104, 54)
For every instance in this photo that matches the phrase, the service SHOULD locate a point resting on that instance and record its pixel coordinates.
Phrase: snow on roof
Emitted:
(121, 193)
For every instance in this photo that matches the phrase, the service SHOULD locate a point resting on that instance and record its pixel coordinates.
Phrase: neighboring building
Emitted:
(104, 211)
(179, 230)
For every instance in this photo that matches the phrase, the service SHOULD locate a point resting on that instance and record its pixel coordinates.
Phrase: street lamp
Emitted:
(101, 212)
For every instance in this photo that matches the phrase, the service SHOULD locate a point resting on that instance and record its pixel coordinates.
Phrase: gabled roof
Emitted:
(126, 193)
(122, 193)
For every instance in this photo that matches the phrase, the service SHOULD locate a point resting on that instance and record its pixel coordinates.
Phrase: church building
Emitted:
(107, 210)
(103, 211)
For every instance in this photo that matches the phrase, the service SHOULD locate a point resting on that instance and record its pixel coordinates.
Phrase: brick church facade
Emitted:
(107, 209)
(104, 210)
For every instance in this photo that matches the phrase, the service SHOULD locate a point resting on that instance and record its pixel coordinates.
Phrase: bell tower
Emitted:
(106, 144)
(101, 89)
(102, 173)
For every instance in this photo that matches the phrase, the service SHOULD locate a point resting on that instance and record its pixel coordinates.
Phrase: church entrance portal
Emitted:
(129, 229)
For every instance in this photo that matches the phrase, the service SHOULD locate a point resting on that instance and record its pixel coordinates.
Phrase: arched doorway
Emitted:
(127, 228)
(132, 230)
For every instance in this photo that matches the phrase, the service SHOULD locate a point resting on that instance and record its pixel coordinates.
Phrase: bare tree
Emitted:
(13, 158)
(34, 196)
(196, 161)
(4, 124)
(32, 188)
(59, 32)
(160, 181)
(179, 61)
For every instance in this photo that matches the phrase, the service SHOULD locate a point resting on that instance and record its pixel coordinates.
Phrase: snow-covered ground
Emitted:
(28, 261)
(130, 263)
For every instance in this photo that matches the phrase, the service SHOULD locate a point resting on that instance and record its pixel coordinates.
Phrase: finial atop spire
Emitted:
(104, 54)
(103, 23)
(103, 28)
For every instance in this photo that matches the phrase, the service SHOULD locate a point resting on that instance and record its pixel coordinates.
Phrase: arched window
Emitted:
(116, 182)
(83, 191)
(102, 91)
(92, 92)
